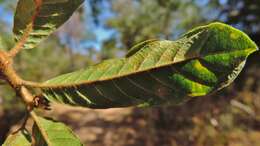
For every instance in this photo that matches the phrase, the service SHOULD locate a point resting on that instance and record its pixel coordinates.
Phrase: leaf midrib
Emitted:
(68, 85)
(41, 130)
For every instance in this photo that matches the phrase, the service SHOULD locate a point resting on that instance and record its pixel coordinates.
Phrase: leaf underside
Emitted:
(56, 134)
(36, 19)
(204, 60)
(20, 138)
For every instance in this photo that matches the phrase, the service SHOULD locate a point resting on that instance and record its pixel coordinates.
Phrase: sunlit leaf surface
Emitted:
(21, 138)
(52, 133)
(204, 60)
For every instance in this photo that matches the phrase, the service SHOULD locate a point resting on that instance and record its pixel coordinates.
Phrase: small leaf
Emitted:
(36, 19)
(21, 138)
(52, 133)
(204, 60)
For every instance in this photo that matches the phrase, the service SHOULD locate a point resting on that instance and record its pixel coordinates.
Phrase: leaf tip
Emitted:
(236, 36)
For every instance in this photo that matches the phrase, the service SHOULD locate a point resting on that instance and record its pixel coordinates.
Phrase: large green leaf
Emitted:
(51, 133)
(36, 19)
(202, 61)
(21, 138)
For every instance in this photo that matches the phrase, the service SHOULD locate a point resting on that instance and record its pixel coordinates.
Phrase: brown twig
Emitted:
(7, 71)
(27, 97)
(33, 84)
(8, 74)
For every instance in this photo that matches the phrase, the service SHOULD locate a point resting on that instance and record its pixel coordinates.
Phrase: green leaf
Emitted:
(21, 138)
(36, 19)
(202, 61)
(52, 133)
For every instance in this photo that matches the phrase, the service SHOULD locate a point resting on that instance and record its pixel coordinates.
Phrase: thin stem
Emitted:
(32, 84)
(19, 45)
(27, 97)
(14, 51)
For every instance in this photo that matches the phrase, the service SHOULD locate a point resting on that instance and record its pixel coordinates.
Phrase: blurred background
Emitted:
(103, 29)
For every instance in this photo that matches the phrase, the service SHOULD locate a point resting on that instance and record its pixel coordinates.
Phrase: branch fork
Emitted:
(8, 74)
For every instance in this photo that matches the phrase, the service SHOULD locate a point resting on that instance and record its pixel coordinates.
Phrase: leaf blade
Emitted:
(204, 60)
(52, 133)
(18, 139)
(36, 19)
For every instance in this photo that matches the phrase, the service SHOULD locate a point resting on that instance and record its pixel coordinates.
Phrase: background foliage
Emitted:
(108, 28)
